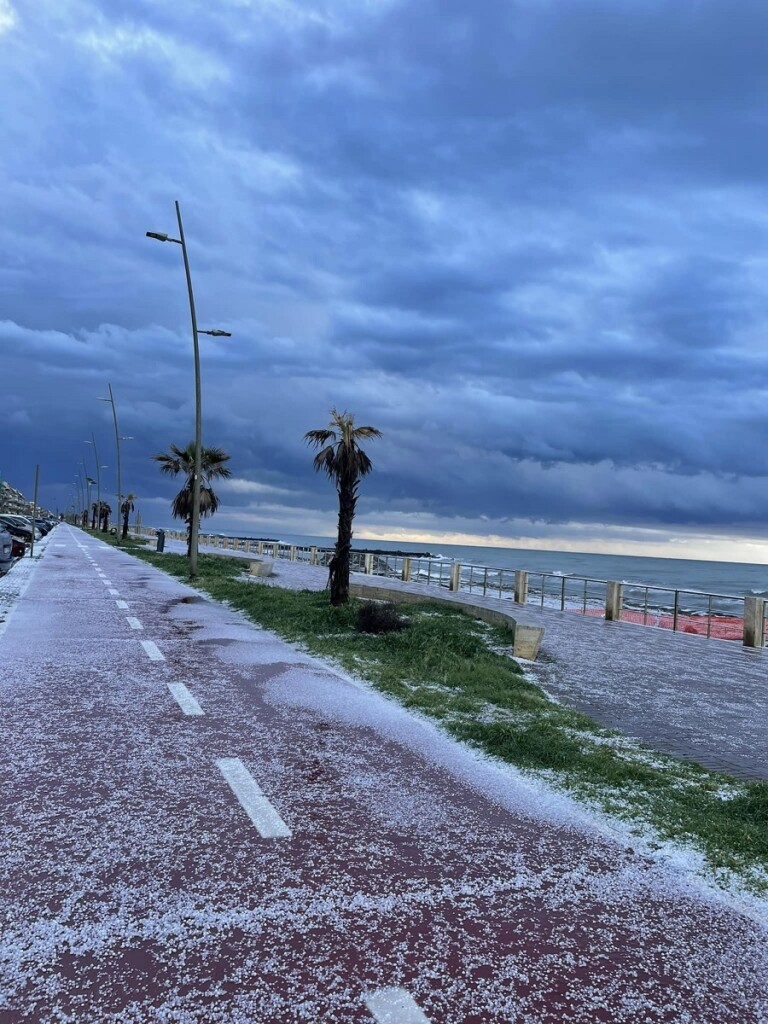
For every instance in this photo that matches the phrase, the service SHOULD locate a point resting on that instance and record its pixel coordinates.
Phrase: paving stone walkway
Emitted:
(701, 700)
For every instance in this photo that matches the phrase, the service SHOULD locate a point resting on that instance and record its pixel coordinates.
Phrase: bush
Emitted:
(379, 618)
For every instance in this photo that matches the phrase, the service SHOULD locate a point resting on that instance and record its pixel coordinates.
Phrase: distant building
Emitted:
(11, 500)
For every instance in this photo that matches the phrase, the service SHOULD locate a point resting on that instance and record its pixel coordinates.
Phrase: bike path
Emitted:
(204, 824)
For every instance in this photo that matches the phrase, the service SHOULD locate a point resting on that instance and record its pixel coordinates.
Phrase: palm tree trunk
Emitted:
(189, 534)
(340, 573)
(125, 524)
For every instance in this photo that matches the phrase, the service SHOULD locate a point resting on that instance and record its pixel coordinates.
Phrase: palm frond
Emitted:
(319, 437)
(168, 463)
(324, 460)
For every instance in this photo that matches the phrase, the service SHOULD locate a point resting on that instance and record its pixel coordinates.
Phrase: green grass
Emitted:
(130, 543)
(453, 669)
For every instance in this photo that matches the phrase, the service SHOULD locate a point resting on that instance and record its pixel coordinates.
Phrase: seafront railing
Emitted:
(714, 616)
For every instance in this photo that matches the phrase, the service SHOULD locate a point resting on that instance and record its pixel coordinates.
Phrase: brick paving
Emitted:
(697, 699)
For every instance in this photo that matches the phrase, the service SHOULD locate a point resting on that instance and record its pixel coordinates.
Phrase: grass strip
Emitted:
(454, 669)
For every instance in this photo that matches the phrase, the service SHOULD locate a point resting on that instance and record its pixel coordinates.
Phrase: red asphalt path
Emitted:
(135, 887)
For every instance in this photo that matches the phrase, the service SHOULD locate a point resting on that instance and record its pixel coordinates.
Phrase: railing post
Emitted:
(675, 611)
(313, 556)
(293, 552)
(754, 621)
(521, 586)
(260, 547)
(276, 550)
(368, 564)
(614, 600)
(455, 583)
(406, 573)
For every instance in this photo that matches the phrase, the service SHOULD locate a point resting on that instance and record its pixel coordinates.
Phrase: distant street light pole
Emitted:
(81, 493)
(88, 483)
(194, 528)
(98, 472)
(118, 439)
(34, 513)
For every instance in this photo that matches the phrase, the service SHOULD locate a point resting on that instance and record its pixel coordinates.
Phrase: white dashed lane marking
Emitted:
(122, 604)
(114, 593)
(153, 653)
(133, 623)
(185, 700)
(107, 583)
(268, 822)
(394, 1006)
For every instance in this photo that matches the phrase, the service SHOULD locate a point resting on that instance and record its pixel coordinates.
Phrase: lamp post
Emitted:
(118, 439)
(194, 528)
(34, 512)
(88, 484)
(98, 471)
(81, 493)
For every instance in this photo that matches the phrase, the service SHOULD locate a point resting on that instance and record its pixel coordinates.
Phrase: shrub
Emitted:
(379, 618)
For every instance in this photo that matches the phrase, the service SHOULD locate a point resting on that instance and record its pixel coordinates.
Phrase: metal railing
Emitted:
(710, 615)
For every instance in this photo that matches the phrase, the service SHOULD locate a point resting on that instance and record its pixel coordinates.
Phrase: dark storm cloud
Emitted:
(527, 240)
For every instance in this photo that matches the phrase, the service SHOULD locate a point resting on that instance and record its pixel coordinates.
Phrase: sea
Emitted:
(726, 578)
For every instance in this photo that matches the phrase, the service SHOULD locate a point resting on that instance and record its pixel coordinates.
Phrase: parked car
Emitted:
(17, 527)
(18, 547)
(6, 551)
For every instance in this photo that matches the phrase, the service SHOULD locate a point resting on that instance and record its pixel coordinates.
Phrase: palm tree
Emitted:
(94, 510)
(182, 460)
(105, 511)
(341, 457)
(126, 508)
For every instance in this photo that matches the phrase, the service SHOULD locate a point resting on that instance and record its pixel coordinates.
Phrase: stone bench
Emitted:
(259, 568)
(526, 640)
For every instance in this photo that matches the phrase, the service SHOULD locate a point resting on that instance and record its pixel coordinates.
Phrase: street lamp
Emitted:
(194, 528)
(88, 484)
(98, 473)
(111, 401)
(80, 492)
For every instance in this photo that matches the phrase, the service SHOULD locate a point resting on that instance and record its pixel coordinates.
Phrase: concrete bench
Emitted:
(258, 568)
(526, 640)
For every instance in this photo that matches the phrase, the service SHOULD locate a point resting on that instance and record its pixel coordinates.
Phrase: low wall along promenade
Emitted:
(711, 616)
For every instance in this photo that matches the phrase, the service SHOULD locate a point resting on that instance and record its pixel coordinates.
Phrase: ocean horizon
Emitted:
(699, 575)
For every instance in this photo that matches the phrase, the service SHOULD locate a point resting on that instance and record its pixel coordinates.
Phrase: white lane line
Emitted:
(394, 1006)
(268, 822)
(153, 652)
(185, 700)
(59, 545)
(122, 604)
(114, 593)
(107, 583)
(133, 623)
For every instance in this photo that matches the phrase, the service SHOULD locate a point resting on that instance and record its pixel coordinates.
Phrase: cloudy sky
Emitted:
(527, 239)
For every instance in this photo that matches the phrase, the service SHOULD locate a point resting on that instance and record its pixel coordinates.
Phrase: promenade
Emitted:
(701, 700)
(202, 824)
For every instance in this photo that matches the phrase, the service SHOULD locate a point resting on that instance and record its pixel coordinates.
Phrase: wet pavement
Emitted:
(143, 877)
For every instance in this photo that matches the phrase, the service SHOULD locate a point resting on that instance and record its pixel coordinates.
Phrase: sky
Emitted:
(526, 239)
